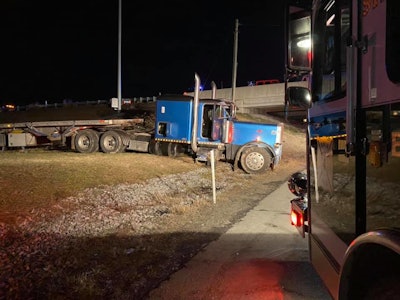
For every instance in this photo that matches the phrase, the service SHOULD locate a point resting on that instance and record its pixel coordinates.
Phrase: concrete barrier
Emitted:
(268, 97)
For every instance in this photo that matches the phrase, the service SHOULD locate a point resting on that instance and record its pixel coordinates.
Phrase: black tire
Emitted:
(383, 288)
(86, 141)
(122, 148)
(125, 140)
(255, 160)
(111, 142)
(152, 147)
(161, 148)
(157, 149)
(175, 149)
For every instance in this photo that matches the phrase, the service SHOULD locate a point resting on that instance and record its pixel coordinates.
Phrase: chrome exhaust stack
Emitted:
(213, 90)
(195, 112)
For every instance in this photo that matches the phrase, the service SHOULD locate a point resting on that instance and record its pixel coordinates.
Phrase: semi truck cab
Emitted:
(184, 124)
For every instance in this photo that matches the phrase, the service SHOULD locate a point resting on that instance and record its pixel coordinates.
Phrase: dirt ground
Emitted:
(165, 243)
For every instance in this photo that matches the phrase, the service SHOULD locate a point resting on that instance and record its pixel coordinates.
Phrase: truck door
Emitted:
(215, 119)
(222, 129)
(207, 122)
(213, 116)
(218, 119)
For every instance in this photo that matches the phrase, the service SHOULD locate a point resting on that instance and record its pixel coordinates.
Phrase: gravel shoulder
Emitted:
(122, 241)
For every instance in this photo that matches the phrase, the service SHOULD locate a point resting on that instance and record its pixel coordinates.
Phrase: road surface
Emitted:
(260, 257)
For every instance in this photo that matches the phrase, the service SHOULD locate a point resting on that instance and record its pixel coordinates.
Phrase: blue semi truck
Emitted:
(186, 124)
(183, 125)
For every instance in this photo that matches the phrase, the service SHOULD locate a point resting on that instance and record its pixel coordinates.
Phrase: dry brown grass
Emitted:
(38, 178)
(84, 268)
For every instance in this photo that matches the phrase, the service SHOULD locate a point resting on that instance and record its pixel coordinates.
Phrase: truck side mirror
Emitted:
(299, 41)
(298, 96)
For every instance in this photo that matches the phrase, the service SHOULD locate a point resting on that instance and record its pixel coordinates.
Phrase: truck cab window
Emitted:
(162, 128)
(332, 30)
(207, 121)
(393, 40)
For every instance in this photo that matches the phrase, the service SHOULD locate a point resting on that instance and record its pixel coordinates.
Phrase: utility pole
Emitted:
(235, 50)
(119, 85)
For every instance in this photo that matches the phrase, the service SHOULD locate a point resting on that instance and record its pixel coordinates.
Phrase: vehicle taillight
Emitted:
(298, 215)
(296, 218)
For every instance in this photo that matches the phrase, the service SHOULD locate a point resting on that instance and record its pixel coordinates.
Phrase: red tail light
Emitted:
(298, 215)
(296, 218)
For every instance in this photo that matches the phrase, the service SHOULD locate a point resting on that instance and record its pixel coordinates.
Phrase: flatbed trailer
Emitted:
(79, 135)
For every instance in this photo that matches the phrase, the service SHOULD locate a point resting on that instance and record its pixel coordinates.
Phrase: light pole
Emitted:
(119, 85)
(235, 50)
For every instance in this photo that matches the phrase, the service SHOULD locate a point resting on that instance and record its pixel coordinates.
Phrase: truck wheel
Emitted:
(161, 149)
(152, 147)
(87, 141)
(124, 139)
(175, 149)
(383, 288)
(255, 160)
(111, 142)
(157, 149)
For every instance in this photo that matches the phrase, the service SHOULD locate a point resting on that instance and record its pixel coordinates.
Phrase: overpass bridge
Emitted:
(255, 99)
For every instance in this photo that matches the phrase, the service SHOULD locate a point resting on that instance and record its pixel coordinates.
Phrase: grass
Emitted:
(66, 267)
(37, 177)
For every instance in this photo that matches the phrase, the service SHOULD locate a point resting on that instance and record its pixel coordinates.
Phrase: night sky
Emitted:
(55, 50)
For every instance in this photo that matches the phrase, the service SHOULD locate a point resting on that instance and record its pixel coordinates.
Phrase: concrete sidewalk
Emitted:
(260, 257)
